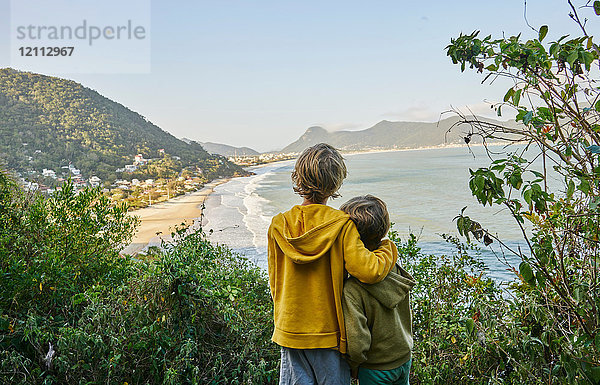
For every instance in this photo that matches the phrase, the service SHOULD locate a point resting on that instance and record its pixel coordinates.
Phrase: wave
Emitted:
(237, 216)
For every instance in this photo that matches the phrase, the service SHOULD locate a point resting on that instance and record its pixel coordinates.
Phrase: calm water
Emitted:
(423, 189)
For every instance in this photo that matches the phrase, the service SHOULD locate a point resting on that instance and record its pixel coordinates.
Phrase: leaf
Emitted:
(543, 32)
(517, 98)
(460, 225)
(516, 180)
(584, 186)
(594, 149)
(470, 325)
(527, 196)
(511, 91)
(569, 151)
(572, 57)
(570, 189)
(597, 7)
(526, 271)
(479, 182)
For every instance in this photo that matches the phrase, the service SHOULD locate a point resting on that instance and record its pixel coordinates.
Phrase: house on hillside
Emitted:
(139, 160)
(130, 167)
(48, 173)
(74, 170)
(31, 186)
(95, 181)
(123, 184)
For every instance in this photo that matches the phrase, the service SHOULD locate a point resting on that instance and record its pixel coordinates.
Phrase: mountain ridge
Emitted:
(227, 150)
(388, 135)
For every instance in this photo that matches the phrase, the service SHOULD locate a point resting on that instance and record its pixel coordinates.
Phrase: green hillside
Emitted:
(49, 122)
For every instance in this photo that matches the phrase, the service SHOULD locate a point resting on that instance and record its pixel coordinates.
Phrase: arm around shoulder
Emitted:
(367, 266)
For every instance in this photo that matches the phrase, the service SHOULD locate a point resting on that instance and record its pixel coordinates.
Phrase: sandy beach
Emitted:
(159, 220)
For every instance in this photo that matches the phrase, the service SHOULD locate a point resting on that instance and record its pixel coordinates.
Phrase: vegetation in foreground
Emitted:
(554, 93)
(72, 310)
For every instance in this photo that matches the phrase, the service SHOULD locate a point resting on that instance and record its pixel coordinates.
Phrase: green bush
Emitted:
(470, 330)
(457, 315)
(72, 310)
(557, 105)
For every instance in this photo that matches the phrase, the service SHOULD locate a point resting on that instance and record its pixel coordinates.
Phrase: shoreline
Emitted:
(163, 217)
(436, 147)
(159, 220)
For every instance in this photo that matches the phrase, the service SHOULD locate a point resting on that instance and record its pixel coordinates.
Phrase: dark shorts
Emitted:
(313, 367)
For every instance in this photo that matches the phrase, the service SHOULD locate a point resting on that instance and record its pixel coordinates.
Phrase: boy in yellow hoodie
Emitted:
(311, 248)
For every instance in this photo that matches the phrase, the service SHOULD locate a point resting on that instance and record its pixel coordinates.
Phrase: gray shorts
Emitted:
(313, 367)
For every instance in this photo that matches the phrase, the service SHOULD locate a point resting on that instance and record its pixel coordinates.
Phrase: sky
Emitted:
(259, 73)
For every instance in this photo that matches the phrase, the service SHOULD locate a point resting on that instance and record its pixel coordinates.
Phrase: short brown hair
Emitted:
(371, 217)
(319, 173)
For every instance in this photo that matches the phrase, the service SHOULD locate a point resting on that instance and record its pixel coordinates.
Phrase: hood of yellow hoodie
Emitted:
(305, 233)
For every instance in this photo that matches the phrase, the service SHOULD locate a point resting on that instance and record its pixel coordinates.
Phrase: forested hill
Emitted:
(49, 122)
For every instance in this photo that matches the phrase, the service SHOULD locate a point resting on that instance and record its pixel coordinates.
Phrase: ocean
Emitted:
(424, 190)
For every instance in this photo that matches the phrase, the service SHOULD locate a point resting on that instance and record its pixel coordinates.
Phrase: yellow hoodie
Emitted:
(310, 250)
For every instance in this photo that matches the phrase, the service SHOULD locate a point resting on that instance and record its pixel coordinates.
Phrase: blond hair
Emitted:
(319, 173)
(371, 217)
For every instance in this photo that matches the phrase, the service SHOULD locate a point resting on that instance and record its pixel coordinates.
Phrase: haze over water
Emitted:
(423, 189)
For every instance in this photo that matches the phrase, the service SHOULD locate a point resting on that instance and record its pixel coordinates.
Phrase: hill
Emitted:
(386, 135)
(48, 123)
(226, 150)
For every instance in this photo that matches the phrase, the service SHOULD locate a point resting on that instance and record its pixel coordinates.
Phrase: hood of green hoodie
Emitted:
(305, 233)
(393, 289)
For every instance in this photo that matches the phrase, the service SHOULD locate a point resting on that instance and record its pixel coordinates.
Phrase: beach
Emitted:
(159, 220)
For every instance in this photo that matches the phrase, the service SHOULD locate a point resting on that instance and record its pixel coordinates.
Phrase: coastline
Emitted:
(157, 221)
(436, 147)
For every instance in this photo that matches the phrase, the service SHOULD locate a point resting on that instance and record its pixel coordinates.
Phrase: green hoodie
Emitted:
(378, 321)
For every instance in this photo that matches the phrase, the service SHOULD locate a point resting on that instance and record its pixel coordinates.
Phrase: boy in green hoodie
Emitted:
(310, 249)
(378, 317)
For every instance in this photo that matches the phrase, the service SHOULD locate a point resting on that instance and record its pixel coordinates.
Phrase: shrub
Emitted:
(557, 104)
(72, 310)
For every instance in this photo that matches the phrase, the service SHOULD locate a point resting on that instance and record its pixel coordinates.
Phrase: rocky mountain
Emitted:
(387, 135)
(226, 150)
